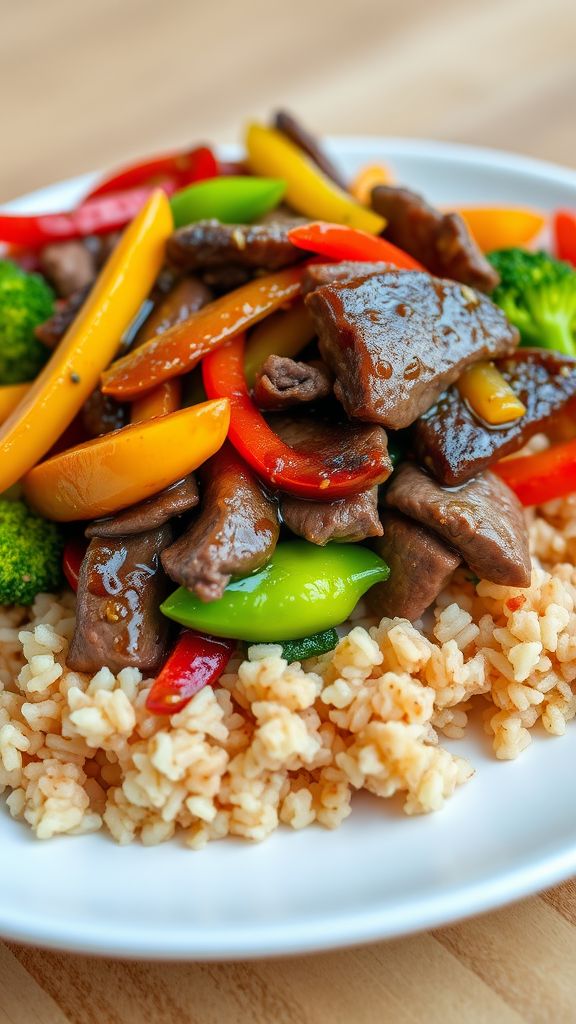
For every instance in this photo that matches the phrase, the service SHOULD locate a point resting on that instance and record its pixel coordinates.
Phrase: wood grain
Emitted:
(92, 83)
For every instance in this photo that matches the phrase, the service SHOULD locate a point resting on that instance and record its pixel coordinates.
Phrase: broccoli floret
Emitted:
(538, 294)
(30, 554)
(26, 300)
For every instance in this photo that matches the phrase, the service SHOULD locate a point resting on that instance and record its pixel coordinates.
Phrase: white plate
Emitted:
(507, 833)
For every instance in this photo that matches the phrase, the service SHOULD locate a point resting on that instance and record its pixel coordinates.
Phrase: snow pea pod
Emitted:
(303, 589)
(232, 200)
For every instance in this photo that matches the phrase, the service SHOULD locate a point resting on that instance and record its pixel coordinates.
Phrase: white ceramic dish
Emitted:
(507, 833)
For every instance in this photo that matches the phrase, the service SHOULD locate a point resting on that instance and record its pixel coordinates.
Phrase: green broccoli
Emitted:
(26, 300)
(30, 554)
(538, 294)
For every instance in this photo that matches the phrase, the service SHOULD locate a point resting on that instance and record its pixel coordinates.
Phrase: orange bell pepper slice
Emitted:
(368, 178)
(72, 372)
(166, 398)
(501, 227)
(126, 466)
(181, 347)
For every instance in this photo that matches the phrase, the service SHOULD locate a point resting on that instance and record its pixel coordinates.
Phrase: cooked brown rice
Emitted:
(289, 743)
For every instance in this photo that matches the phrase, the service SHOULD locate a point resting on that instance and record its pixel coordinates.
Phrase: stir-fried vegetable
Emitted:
(310, 646)
(303, 587)
(564, 227)
(501, 227)
(195, 662)
(232, 200)
(285, 333)
(10, 396)
(128, 465)
(542, 477)
(538, 295)
(368, 178)
(310, 474)
(181, 348)
(337, 242)
(483, 387)
(167, 397)
(180, 169)
(30, 554)
(72, 371)
(308, 189)
(25, 301)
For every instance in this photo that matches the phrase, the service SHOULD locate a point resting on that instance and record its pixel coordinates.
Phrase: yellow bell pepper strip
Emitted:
(10, 397)
(166, 398)
(318, 474)
(126, 466)
(502, 227)
(72, 372)
(483, 387)
(285, 333)
(368, 178)
(179, 349)
(308, 190)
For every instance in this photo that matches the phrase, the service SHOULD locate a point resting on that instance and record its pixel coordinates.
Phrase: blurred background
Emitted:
(90, 83)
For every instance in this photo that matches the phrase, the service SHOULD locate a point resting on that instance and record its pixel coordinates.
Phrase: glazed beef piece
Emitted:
(118, 617)
(440, 241)
(209, 245)
(483, 520)
(68, 266)
(420, 567)
(395, 341)
(101, 414)
(451, 442)
(148, 515)
(346, 519)
(184, 298)
(51, 332)
(235, 532)
(342, 445)
(287, 124)
(282, 382)
(318, 274)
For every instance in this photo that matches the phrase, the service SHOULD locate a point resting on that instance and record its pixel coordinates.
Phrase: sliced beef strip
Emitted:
(451, 442)
(51, 332)
(318, 274)
(147, 515)
(287, 124)
(118, 617)
(342, 445)
(483, 520)
(208, 244)
(420, 567)
(69, 266)
(235, 533)
(184, 298)
(282, 382)
(395, 341)
(441, 241)
(101, 414)
(346, 519)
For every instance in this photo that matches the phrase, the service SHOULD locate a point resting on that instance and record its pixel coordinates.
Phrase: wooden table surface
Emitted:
(90, 83)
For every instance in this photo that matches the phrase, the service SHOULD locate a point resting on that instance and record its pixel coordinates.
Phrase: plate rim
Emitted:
(382, 922)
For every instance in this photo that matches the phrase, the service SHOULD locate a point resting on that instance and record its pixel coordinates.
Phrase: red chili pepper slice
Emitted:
(545, 476)
(338, 242)
(313, 474)
(180, 169)
(564, 228)
(196, 661)
(72, 558)
(94, 217)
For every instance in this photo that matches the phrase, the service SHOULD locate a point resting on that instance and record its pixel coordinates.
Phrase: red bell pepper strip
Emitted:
(545, 476)
(564, 228)
(180, 169)
(319, 475)
(338, 242)
(196, 661)
(94, 217)
(180, 348)
(72, 558)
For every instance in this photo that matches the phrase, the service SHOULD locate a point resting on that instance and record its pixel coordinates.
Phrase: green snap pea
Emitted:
(303, 589)
(231, 200)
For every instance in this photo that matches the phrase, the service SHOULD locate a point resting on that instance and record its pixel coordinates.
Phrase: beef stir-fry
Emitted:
(262, 357)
